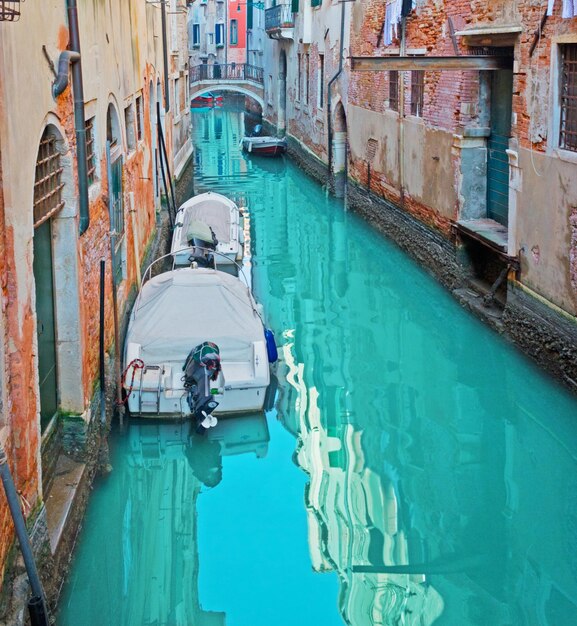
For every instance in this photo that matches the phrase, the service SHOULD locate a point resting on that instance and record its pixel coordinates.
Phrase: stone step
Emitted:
(60, 500)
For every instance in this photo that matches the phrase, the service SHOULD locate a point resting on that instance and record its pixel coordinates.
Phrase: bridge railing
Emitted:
(226, 73)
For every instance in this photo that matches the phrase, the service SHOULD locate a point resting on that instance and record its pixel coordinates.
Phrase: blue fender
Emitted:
(271, 349)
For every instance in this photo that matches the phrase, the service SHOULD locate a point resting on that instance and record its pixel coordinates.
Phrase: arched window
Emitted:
(48, 183)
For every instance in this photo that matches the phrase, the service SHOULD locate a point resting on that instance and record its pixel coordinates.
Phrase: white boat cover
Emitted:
(211, 208)
(177, 310)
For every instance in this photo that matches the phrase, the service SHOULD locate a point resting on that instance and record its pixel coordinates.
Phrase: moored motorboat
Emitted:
(207, 100)
(221, 215)
(264, 146)
(196, 345)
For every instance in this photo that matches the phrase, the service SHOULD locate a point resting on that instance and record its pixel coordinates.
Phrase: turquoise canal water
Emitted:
(415, 469)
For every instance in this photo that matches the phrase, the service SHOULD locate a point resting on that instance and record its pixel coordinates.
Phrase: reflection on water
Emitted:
(138, 560)
(438, 466)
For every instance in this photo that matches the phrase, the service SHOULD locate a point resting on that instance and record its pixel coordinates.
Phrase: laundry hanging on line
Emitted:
(394, 11)
(569, 8)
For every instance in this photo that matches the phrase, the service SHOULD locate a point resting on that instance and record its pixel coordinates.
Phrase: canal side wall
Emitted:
(544, 332)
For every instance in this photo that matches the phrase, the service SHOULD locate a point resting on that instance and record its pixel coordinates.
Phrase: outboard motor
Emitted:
(202, 366)
(202, 239)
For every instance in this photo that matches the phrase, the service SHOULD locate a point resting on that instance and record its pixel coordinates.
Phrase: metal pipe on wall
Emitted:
(329, 92)
(165, 54)
(403, 52)
(79, 119)
(38, 607)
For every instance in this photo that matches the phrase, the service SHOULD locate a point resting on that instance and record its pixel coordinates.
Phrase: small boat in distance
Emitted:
(264, 146)
(207, 100)
(196, 345)
(210, 221)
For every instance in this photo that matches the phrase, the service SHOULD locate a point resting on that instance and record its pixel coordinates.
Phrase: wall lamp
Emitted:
(256, 5)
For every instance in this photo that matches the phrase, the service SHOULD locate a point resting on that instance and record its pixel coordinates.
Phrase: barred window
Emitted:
(90, 156)
(48, 183)
(130, 127)
(568, 122)
(139, 118)
(300, 77)
(321, 81)
(417, 92)
(394, 90)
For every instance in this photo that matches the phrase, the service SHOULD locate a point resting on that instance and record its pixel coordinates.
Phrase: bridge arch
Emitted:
(199, 91)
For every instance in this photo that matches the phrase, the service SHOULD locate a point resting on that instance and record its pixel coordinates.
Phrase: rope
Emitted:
(135, 364)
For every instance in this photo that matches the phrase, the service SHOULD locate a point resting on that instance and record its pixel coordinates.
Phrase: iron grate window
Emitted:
(90, 156)
(394, 90)
(417, 92)
(138, 118)
(568, 125)
(47, 181)
(10, 10)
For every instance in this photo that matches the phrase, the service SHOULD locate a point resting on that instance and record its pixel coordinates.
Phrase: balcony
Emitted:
(279, 22)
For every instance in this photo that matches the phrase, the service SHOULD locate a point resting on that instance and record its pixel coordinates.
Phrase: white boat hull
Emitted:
(210, 207)
(160, 337)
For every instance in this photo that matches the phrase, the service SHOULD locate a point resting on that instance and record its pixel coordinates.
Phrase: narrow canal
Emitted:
(415, 469)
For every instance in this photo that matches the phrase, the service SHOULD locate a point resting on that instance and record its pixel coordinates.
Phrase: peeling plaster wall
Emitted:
(121, 47)
(546, 229)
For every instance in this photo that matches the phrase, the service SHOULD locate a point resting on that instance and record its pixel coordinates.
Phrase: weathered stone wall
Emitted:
(122, 64)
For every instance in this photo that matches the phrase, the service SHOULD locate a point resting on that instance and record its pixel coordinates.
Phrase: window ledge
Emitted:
(565, 155)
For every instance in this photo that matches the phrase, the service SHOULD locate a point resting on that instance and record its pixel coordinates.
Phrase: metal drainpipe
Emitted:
(79, 120)
(402, 52)
(23, 539)
(330, 84)
(165, 54)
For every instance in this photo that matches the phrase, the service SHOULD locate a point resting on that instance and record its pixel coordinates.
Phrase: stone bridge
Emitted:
(239, 77)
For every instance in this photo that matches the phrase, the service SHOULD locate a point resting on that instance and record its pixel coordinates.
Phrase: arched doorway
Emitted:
(115, 203)
(339, 150)
(55, 270)
(282, 71)
(47, 202)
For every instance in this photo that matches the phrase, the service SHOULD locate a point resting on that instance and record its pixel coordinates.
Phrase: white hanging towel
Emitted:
(392, 18)
(569, 8)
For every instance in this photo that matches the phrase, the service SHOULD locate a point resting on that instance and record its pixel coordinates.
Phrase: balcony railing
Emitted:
(230, 72)
(279, 17)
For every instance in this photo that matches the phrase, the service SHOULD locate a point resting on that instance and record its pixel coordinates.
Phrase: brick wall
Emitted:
(451, 98)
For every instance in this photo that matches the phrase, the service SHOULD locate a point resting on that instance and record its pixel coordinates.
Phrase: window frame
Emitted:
(321, 82)
(219, 35)
(567, 124)
(196, 35)
(91, 173)
(233, 32)
(417, 89)
(394, 92)
(139, 117)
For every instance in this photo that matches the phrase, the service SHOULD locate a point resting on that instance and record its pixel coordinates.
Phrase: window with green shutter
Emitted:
(295, 6)
(316, 3)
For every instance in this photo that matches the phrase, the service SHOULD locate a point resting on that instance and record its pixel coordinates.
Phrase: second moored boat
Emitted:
(208, 221)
